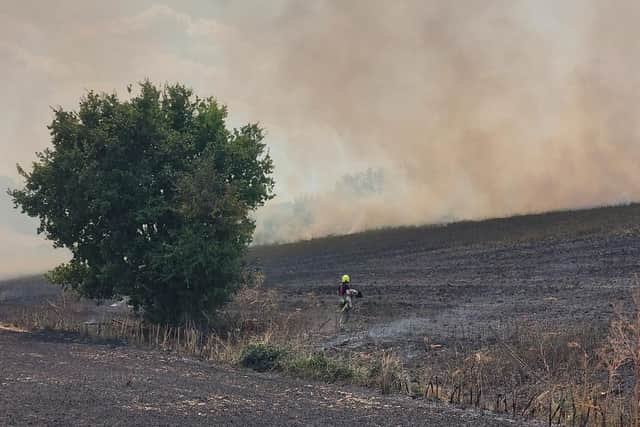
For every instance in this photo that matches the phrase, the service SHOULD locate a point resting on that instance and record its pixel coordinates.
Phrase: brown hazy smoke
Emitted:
(379, 113)
(471, 109)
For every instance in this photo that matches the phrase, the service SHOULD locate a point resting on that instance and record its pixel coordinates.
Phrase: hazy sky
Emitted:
(472, 109)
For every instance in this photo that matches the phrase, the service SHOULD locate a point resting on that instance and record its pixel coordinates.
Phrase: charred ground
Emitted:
(565, 268)
(433, 295)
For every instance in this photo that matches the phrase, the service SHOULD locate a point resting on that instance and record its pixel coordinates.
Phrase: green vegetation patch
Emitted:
(320, 367)
(262, 357)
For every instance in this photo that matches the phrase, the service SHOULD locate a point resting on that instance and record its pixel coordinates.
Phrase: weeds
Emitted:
(621, 357)
(388, 374)
(581, 377)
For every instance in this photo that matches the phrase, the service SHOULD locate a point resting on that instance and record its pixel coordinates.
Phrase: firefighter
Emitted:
(346, 292)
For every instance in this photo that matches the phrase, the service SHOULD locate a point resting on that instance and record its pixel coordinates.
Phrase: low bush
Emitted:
(321, 367)
(262, 357)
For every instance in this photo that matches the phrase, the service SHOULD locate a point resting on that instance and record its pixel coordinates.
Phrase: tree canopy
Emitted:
(152, 195)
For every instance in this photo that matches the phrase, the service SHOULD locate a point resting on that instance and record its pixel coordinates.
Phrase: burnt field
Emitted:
(565, 268)
(54, 379)
(512, 314)
(506, 315)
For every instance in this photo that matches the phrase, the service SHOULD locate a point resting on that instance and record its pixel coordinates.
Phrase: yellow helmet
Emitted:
(346, 278)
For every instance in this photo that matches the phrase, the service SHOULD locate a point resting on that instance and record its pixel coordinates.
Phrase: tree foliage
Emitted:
(152, 196)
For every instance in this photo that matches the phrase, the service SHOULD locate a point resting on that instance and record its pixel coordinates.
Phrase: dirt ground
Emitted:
(53, 379)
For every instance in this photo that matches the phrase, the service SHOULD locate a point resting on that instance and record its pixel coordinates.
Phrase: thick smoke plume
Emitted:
(471, 109)
(379, 113)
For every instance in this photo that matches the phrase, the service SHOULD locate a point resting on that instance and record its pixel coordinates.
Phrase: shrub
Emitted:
(320, 367)
(262, 357)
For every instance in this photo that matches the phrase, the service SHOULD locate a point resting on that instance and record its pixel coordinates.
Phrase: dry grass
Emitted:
(255, 315)
(581, 377)
(254, 328)
(621, 357)
(392, 377)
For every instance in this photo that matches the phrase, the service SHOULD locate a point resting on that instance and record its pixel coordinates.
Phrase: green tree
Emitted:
(152, 196)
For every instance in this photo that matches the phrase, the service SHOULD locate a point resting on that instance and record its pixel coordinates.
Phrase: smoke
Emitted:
(472, 109)
(300, 218)
(21, 251)
(378, 113)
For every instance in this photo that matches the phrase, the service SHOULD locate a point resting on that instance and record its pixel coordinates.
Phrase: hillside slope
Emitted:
(563, 267)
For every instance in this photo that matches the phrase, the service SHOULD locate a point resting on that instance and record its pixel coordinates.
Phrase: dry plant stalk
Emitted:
(623, 349)
(392, 377)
